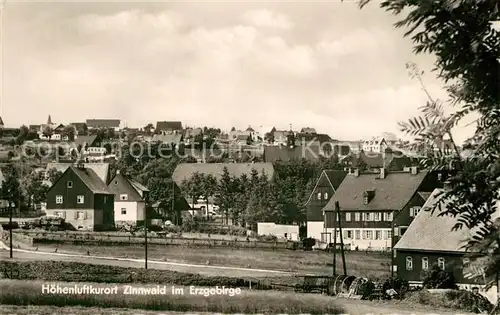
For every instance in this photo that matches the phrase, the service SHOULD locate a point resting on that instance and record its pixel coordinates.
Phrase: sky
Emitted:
(322, 64)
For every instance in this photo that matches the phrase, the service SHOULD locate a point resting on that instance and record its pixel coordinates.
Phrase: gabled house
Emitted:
(308, 130)
(101, 169)
(168, 127)
(376, 145)
(430, 240)
(104, 123)
(82, 198)
(326, 185)
(374, 205)
(280, 137)
(370, 161)
(130, 200)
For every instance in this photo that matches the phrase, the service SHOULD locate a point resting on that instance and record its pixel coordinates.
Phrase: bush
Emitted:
(399, 285)
(436, 278)
(267, 238)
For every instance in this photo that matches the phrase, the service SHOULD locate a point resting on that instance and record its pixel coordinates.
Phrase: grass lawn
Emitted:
(15, 292)
(366, 264)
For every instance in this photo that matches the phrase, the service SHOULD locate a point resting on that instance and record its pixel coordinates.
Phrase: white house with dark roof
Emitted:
(130, 200)
(114, 124)
(430, 240)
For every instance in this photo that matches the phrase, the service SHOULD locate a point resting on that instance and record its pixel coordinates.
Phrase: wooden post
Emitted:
(392, 247)
(334, 246)
(10, 228)
(337, 210)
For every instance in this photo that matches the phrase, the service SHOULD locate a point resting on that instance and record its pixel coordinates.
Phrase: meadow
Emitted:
(363, 264)
(15, 292)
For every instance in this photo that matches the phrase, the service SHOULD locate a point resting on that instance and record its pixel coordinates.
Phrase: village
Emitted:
(99, 185)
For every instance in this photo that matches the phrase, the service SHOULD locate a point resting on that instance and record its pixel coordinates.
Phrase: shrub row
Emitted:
(80, 272)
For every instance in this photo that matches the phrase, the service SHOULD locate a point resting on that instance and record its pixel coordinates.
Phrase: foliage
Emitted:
(70, 132)
(436, 278)
(11, 188)
(34, 189)
(53, 175)
(400, 285)
(464, 301)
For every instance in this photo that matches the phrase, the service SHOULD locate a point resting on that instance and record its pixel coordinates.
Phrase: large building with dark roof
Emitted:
(374, 205)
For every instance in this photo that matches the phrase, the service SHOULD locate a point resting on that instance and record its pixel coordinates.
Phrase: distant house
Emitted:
(326, 185)
(130, 200)
(444, 146)
(390, 159)
(169, 139)
(103, 123)
(308, 130)
(82, 199)
(376, 145)
(281, 137)
(191, 133)
(88, 145)
(34, 128)
(242, 139)
(372, 206)
(290, 151)
(430, 240)
(168, 127)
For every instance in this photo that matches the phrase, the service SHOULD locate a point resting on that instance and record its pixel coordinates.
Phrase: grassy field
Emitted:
(366, 264)
(13, 292)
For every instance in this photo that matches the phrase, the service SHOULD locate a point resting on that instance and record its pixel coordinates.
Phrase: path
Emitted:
(22, 254)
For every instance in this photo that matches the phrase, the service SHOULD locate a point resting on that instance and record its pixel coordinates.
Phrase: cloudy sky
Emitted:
(323, 64)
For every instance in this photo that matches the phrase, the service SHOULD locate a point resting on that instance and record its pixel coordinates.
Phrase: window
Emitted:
(124, 211)
(357, 233)
(364, 235)
(389, 217)
(414, 211)
(366, 216)
(425, 263)
(386, 235)
(440, 177)
(441, 263)
(80, 215)
(348, 216)
(389, 234)
(348, 235)
(409, 263)
(80, 199)
(59, 200)
(70, 184)
(369, 235)
(357, 216)
(377, 216)
(319, 196)
(378, 235)
(326, 195)
(365, 200)
(123, 197)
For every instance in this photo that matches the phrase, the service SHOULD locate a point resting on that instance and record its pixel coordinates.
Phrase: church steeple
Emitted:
(1, 123)
(49, 121)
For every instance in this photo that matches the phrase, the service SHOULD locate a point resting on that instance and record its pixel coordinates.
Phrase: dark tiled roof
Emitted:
(79, 126)
(285, 154)
(431, 232)
(101, 169)
(424, 194)
(186, 170)
(91, 180)
(85, 140)
(122, 185)
(168, 125)
(391, 193)
(103, 123)
(335, 177)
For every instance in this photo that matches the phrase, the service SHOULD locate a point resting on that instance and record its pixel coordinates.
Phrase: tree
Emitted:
(209, 187)
(11, 188)
(148, 129)
(34, 188)
(269, 137)
(23, 134)
(193, 187)
(47, 132)
(460, 34)
(53, 175)
(70, 132)
(224, 195)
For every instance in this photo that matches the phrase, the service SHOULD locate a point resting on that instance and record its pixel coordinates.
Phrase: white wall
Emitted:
(134, 211)
(314, 229)
(279, 230)
(372, 244)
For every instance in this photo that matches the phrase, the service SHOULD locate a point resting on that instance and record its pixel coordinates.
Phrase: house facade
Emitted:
(374, 206)
(377, 145)
(82, 198)
(325, 187)
(430, 240)
(168, 127)
(130, 200)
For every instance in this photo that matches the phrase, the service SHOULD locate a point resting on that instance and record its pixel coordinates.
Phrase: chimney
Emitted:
(414, 170)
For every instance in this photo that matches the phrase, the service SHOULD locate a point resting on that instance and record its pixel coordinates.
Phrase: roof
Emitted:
(192, 132)
(186, 170)
(280, 134)
(391, 193)
(431, 232)
(101, 169)
(285, 154)
(121, 184)
(103, 123)
(424, 194)
(308, 130)
(394, 162)
(1, 121)
(305, 136)
(168, 125)
(250, 129)
(167, 138)
(242, 137)
(335, 177)
(79, 126)
(91, 180)
(84, 140)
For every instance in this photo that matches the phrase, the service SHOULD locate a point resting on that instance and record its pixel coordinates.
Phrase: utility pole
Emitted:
(337, 210)
(392, 246)
(10, 228)
(335, 245)
(146, 235)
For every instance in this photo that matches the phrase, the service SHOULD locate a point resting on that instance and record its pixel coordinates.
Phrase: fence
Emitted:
(127, 239)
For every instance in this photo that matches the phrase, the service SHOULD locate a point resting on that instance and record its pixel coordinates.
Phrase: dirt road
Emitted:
(20, 254)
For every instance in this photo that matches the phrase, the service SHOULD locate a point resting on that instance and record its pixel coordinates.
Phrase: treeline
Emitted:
(245, 200)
